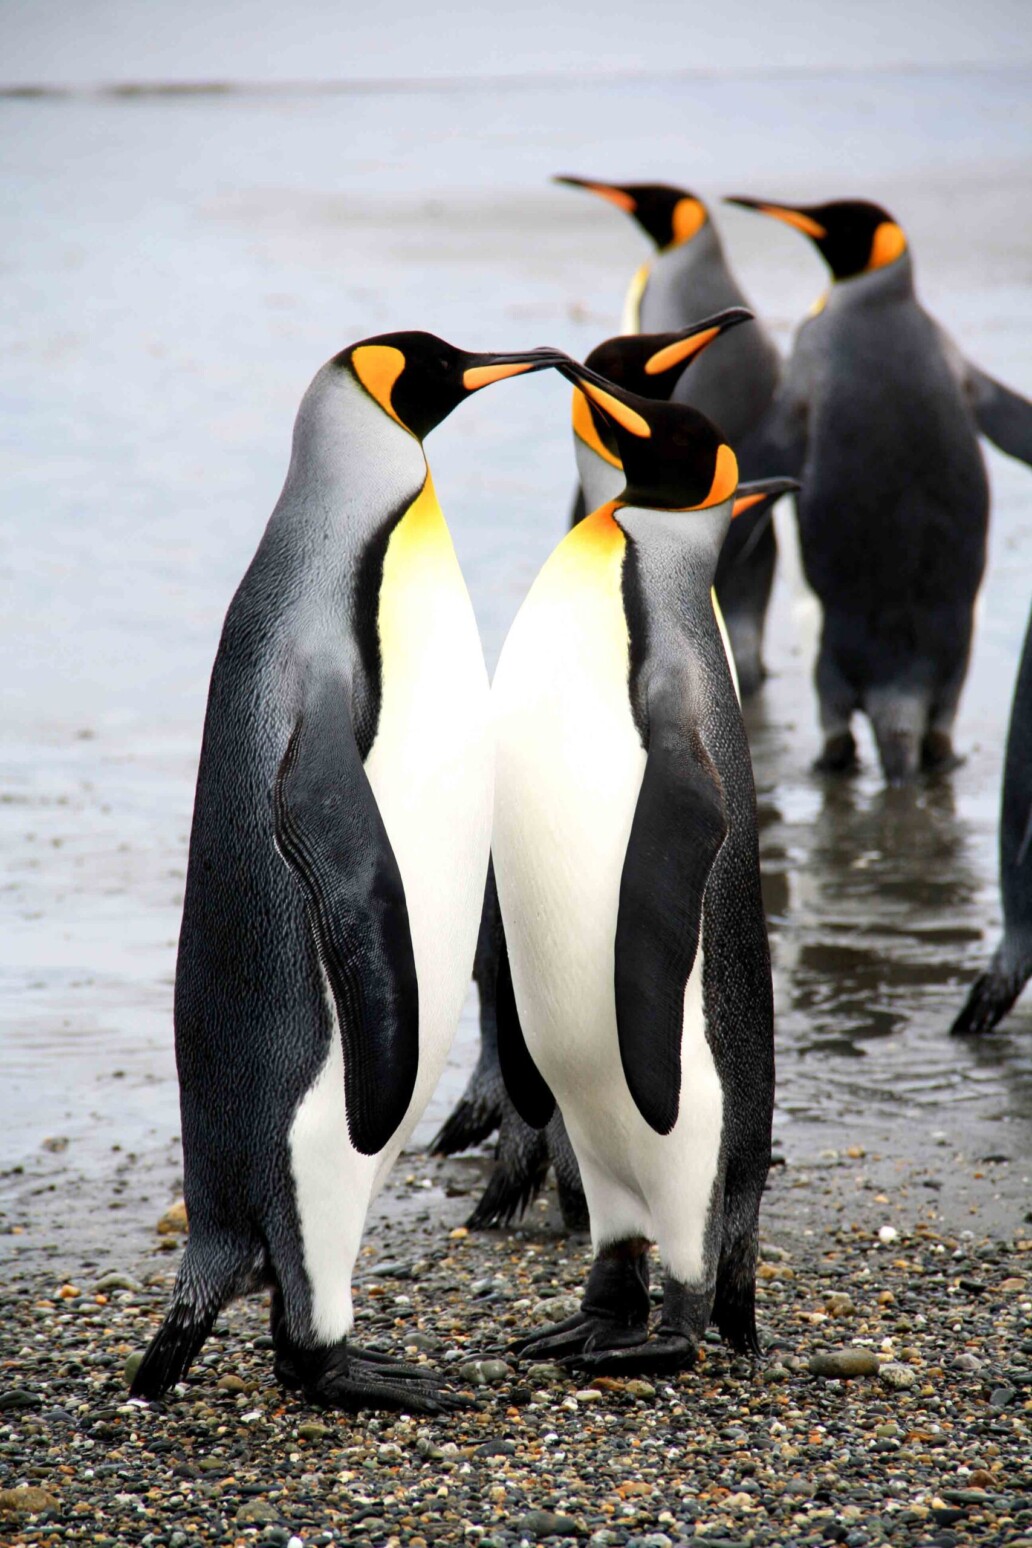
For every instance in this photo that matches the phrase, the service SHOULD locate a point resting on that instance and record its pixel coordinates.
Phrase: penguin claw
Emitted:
(569, 1341)
(365, 1386)
(664, 1355)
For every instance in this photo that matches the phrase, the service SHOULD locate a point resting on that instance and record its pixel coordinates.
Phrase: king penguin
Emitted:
(733, 385)
(336, 871)
(636, 989)
(642, 364)
(878, 416)
(995, 991)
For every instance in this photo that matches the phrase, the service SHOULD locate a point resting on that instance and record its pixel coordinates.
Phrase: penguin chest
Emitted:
(569, 766)
(430, 765)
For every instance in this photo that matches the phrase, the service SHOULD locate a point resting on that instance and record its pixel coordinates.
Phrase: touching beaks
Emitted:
(606, 395)
(761, 490)
(693, 340)
(486, 369)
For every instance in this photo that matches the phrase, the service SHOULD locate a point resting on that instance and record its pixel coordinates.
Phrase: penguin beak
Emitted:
(760, 489)
(784, 212)
(482, 370)
(615, 404)
(677, 348)
(611, 191)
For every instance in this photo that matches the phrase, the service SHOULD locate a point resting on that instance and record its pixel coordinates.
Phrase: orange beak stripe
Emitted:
(623, 201)
(796, 218)
(888, 244)
(745, 503)
(483, 376)
(672, 355)
(619, 411)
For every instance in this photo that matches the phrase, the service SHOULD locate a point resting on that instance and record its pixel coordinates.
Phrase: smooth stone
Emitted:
(544, 1523)
(173, 1220)
(896, 1375)
(546, 1371)
(312, 1430)
(484, 1373)
(116, 1281)
(28, 1499)
(132, 1365)
(18, 1397)
(231, 1384)
(256, 1513)
(844, 1362)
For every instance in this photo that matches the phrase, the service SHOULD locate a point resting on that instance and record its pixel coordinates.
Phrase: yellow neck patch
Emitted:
(593, 550)
(420, 552)
(585, 430)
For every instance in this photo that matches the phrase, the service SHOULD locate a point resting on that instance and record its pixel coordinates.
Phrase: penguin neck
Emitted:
(351, 464)
(600, 480)
(676, 553)
(687, 279)
(893, 282)
(702, 245)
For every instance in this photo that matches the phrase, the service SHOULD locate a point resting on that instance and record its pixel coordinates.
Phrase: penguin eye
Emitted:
(444, 364)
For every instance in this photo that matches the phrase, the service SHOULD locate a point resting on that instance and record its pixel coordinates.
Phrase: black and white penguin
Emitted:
(733, 385)
(637, 986)
(878, 416)
(337, 862)
(995, 991)
(644, 364)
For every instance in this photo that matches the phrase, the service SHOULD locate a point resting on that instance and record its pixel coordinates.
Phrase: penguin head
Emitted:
(673, 457)
(417, 379)
(648, 364)
(853, 235)
(670, 216)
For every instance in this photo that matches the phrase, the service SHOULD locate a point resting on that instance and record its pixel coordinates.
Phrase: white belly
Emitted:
(569, 766)
(430, 769)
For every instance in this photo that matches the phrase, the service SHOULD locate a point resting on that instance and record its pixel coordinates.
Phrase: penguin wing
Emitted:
(679, 825)
(1004, 416)
(529, 1092)
(330, 833)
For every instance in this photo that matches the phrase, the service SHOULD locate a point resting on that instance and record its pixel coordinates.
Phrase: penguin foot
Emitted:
(937, 754)
(338, 1377)
(839, 755)
(664, 1355)
(614, 1311)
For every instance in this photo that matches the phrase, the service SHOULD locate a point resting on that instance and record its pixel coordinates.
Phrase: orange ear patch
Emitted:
(378, 367)
(624, 416)
(796, 218)
(689, 217)
(483, 376)
(887, 245)
(585, 430)
(672, 355)
(725, 478)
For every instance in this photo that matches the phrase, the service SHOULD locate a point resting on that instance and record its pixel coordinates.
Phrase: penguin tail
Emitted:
(476, 1116)
(518, 1176)
(734, 1302)
(899, 721)
(572, 1203)
(993, 993)
(201, 1290)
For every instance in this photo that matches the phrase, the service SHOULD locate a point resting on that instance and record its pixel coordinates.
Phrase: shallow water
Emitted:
(176, 269)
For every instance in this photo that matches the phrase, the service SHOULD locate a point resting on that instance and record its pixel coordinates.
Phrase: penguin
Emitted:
(733, 386)
(641, 363)
(636, 989)
(337, 861)
(995, 991)
(878, 416)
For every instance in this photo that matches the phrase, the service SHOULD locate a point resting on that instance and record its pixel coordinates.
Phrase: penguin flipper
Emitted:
(330, 833)
(1003, 415)
(530, 1094)
(679, 825)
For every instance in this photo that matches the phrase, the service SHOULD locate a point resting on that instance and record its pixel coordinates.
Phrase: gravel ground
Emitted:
(893, 1402)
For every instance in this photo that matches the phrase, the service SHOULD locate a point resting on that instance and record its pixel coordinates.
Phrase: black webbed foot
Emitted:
(675, 1347)
(613, 1313)
(337, 1378)
(838, 755)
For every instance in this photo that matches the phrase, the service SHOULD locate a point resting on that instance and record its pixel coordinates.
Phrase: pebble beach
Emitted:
(892, 1402)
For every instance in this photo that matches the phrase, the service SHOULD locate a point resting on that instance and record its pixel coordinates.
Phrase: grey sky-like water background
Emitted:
(176, 267)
